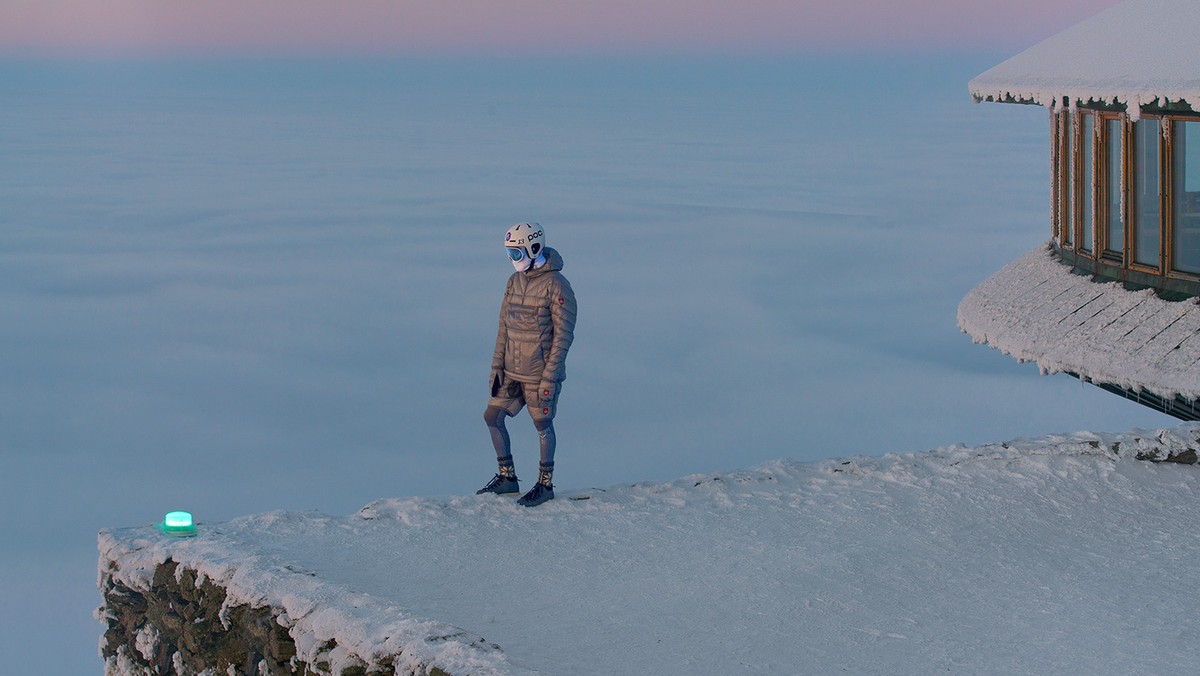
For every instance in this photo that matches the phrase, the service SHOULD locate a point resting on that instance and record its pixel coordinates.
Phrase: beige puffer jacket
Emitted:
(537, 324)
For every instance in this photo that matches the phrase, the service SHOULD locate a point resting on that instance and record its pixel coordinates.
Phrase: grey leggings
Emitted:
(494, 417)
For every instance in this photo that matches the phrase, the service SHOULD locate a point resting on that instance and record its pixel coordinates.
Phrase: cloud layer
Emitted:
(244, 286)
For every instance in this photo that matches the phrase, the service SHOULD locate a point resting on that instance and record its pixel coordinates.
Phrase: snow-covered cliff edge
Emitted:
(1055, 555)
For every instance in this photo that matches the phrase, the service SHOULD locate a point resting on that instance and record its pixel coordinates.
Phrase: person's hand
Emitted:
(546, 391)
(496, 380)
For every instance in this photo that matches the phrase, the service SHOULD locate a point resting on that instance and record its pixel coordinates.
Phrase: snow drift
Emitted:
(1055, 555)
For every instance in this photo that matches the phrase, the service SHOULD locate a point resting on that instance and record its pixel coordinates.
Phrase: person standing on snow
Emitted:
(537, 325)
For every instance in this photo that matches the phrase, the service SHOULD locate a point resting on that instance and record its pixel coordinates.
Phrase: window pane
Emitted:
(1066, 191)
(1055, 178)
(1087, 206)
(1146, 228)
(1185, 137)
(1112, 165)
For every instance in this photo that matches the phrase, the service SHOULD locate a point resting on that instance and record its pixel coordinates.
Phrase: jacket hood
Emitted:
(554, 262)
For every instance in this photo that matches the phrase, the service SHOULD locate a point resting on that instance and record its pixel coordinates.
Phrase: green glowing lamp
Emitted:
(179, 524)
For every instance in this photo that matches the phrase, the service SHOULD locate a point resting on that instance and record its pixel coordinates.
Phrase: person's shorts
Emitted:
(515, 395)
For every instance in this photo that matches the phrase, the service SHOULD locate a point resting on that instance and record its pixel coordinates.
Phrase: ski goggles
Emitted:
(516, 255)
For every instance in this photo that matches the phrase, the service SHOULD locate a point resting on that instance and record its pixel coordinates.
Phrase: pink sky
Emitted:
(527, 26)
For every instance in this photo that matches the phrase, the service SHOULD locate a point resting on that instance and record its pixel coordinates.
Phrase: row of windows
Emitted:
(1128, 192)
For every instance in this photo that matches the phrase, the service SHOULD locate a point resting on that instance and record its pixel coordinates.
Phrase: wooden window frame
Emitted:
(1168, 199)
(1084, 192)
(1131, 199)
(1068, 192)
(1066, 180)
(1103, 170)
(1055, 178)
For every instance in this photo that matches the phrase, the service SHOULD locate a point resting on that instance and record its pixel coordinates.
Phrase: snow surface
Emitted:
(1035, 309)
(1137, 53)
(1055, 555)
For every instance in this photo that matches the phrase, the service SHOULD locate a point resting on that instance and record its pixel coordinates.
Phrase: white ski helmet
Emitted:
(527, 238)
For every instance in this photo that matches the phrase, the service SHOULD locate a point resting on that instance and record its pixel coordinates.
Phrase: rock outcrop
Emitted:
(183, 624)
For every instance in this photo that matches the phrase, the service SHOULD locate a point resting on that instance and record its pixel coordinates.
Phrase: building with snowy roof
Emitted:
(1112, 297)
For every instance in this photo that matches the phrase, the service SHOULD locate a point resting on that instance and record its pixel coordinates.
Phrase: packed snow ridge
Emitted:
(1037, 310)
(1055, 555)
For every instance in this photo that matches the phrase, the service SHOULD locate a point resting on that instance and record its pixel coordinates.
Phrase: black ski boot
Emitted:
(505, 481)
(543, 490)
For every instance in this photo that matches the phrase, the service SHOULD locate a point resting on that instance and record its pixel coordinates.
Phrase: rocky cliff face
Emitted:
(183, 624)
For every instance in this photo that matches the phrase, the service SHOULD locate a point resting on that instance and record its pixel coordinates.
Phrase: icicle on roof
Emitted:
(1137, 53)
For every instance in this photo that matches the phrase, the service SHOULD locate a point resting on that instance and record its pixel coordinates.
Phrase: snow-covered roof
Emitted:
(1035, 309)
(909, 563)
(1136, 53)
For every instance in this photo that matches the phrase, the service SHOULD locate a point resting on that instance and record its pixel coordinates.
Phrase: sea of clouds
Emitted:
(234, 287)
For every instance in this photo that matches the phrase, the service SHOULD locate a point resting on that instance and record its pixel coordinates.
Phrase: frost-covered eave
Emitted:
(1037, 310)
(1133, 99)
(1138, 54)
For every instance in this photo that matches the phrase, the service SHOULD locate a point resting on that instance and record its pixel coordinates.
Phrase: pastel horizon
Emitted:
(221, 27)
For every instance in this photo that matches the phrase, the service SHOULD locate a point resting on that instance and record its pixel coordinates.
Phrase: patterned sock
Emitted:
(507, 470)
(546, 474)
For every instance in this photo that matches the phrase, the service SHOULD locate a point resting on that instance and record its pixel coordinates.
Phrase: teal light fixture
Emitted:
(179, 524)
